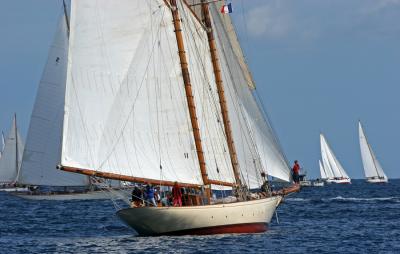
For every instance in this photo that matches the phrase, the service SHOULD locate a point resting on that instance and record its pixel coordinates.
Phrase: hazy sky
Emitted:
(319, 65)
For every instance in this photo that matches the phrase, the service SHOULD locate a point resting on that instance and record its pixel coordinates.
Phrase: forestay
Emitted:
(43, 144)
(256, 143)
(10, 161)
(372, 167)
(125, 107)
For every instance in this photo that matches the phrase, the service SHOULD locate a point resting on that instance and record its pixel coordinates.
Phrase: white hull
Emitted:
(67, 196)
(341, 181)
(318, 184)
(240, 217)
(376, 180)
(305, 183)
(13, 189)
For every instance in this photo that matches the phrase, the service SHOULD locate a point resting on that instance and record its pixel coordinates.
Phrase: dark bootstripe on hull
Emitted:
(225, 229)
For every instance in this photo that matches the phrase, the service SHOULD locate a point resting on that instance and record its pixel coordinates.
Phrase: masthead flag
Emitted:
(226, 8)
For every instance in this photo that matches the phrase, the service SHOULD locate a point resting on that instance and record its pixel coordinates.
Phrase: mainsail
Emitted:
(372, 167)
(126, 111)
(43, 144)
(10, 161)
(330, 161)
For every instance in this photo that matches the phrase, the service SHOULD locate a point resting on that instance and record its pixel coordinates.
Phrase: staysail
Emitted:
(255, 139)
(331, 160)
(43, 144)
(10, 161)
(372, 167)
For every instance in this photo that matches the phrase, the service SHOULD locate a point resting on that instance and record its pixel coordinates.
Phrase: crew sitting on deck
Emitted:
(137, 197)
(177, 194)
(149, 192)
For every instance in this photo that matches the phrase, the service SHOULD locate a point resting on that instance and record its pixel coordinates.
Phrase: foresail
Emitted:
(43, 145)
(322, 170)
(10, 161)
(256, 143)
(325, 161)
(372, 167)
(125, 108)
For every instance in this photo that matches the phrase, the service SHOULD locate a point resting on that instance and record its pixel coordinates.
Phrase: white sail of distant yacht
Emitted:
(156, 94)
(372, 168)
(334, 170)
(10, 161)
(322, 171)
(3, 143)
(43, 144)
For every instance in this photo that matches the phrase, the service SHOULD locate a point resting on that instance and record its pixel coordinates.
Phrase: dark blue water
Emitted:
(356, 218)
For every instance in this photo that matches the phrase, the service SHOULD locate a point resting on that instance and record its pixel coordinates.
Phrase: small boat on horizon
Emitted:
(332, 169)
(372, 168)
(10, 160)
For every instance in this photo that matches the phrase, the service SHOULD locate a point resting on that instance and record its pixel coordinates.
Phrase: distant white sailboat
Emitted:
(322, 171)
(334, 171)
(372, 168)
(10, 161)
(43, 144)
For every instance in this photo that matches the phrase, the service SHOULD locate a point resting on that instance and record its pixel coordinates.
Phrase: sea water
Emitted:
(356, 218)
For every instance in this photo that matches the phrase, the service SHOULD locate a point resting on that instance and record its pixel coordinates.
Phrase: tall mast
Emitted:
(221, 92)
(188, 90)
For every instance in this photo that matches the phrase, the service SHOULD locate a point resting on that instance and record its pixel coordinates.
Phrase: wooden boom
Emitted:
(134, 179)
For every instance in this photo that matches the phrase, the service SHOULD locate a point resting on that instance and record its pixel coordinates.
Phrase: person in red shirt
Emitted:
(296, 171)
(177, 195)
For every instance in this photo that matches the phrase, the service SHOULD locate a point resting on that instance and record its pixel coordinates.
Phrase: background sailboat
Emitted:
(156, 96)
(333, 169)
(372, 168)
(43, 144)
(10, 161)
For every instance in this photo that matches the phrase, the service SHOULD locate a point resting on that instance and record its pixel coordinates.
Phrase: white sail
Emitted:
(322, 170)
(125, 108)
(43, 144)
(325, 160)
(10, 161)
(214, 142)
(372, 167)
(255, 140)
(337, 169)
(3, 143)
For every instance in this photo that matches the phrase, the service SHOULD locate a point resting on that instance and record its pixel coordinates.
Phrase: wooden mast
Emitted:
(221, 92)
(188, 90)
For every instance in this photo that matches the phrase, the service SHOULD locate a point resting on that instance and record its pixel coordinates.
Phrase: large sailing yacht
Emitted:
(158, 92)
(372, 168)
(334, 171)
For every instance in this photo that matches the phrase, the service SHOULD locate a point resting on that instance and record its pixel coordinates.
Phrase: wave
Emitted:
(346, 199)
